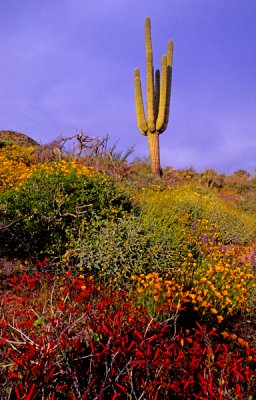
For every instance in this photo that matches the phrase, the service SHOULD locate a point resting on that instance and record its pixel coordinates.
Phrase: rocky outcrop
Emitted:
(11, 137)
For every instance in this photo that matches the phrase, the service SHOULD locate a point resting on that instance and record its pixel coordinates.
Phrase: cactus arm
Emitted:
(141, 120)
(150, 77)
(157, 91)
(170, 53)
(169, 83)
(163, 98)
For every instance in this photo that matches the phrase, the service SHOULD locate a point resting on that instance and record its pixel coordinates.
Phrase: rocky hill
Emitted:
(11, 137)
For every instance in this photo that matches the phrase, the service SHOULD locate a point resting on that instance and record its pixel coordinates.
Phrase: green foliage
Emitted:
(118, 249)
(46, 213)
(233, 225)
(189, 204)
(182, 205)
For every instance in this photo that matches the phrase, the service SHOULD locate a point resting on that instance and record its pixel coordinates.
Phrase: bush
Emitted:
(192, 203)
(116, 250)
(233, 225)
(247, 202)
(16, 164)
(48, 211)
(170, 204)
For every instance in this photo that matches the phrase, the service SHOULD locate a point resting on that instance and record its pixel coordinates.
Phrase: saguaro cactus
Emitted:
(158, 98)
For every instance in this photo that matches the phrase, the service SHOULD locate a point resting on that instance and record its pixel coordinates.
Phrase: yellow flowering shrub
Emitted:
(18, 163)
(188, 203)
(65, 167)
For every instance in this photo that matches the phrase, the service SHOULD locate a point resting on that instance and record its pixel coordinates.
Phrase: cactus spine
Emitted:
(158, 99)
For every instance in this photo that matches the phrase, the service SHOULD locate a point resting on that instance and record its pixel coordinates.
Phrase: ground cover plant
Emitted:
(124, 288)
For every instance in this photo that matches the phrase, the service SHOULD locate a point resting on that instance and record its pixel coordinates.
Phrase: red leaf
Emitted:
(17, 393)
(238, 389)
(156, 395)
(156, 354)
(116, 395)
(154, 337)
(140, 354)
(92, 346)
(29, 396)
(137, 333)
(131, 345)
(121, 387)
(41, 263)
(188, 382)
(60, 387)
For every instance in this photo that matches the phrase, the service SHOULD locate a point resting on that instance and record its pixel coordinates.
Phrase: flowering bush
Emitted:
(52, 207)
(217, 280)
(16, 165)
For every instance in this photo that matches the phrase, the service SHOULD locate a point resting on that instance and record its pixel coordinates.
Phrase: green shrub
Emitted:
(47, 212)
(181, 205)
(233, 225)
(189, 204)
(119, 249)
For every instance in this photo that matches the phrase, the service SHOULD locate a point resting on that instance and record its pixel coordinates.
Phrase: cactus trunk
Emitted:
(154, 152)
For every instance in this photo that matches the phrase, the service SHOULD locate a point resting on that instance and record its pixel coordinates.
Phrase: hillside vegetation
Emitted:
(118, 284)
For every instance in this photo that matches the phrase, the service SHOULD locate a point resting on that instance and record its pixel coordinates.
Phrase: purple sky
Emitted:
(68, 65)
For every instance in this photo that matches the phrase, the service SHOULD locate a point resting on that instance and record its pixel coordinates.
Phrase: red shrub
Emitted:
(69, 339)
